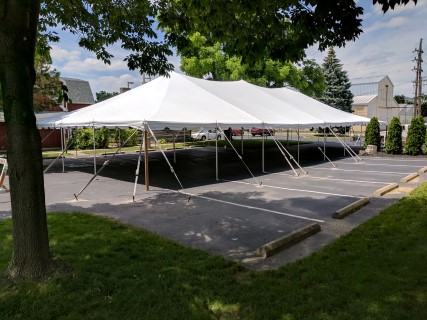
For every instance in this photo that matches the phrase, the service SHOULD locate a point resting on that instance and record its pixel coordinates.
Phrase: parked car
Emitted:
(237, 132)
(260, 131)
(206, 134)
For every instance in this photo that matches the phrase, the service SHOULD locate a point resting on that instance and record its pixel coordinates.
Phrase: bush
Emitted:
(394, 137)
(372, 133)
(84, 138)
(122, 135)
(416, 137)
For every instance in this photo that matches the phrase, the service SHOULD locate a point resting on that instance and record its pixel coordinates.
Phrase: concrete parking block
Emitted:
(341, 213)
(382, 191)
(287, 240)
(410, 177)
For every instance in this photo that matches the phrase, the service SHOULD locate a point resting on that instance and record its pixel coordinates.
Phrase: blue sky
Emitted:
(384, 48)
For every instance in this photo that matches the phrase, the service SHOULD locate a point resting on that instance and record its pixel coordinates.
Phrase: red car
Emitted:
(237, 132)
(260, 131)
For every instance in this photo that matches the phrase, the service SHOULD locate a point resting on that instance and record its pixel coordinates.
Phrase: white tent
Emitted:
(182, 101)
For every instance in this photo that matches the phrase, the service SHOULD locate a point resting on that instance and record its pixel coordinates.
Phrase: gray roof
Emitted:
(79, 91)
(39, 116)
(365, 86)
(362, 100)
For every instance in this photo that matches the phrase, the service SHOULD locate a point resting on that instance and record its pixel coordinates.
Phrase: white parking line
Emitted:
(332, 179)
(299, 190)
(381, 164)
(387, 172)
(249, 207)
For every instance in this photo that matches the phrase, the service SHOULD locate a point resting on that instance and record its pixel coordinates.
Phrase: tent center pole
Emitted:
(324, 143)
(298, 144)
(262, 148)
(174, 149)
(216, 153)
(147, 180)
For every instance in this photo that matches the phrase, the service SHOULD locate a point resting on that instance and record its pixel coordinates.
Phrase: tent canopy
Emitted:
(181, 101)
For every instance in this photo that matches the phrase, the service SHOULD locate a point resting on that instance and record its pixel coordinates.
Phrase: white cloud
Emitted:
(91, 64)
(392, 23)
(60, 54)
(114, 83)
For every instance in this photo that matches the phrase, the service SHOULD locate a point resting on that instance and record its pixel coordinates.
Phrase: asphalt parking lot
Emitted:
(241, 211)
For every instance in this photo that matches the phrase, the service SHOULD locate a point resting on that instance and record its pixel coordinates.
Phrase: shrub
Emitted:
(84, 138)
(416, 136)
(372, 133)
(394, 137)
(123, 135)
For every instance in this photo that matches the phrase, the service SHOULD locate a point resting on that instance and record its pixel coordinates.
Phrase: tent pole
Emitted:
(298, 143)
(104, 165)
(62, 150)
(147, 180)
(166, 158)
(138, 166)
(174, 149)
(262, 148)
(184, 138)
(54, 161)
(242, 139)
(324, 143)
(238, 155)
(94, 150)
(216, 152)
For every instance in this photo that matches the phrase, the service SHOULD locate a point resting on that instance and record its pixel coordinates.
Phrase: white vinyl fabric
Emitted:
(181, 101)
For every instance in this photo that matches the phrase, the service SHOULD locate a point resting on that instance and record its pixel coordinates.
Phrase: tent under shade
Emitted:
(182, 101)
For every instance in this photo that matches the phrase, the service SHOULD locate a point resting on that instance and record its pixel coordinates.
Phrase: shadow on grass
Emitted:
(122, 272)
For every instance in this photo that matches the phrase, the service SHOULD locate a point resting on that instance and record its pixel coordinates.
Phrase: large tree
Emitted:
(99, 24)
(337, 93)
(209, 61)
(251, 29)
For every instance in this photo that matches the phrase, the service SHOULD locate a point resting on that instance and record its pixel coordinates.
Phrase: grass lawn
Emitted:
(237, 143)
(114, 271)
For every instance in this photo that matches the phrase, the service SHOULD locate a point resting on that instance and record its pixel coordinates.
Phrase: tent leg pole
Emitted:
(262, 148)
(137, 167)
(216, 153)
(147, 180)
(242, 140)
(174, 149)
(94, 151)
(298, 144)
(324, 144)
(184, 138)
(62, 150)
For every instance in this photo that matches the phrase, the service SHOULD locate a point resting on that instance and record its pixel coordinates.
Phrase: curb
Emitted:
(410, 177)
(382, 191)
(287, 240)
(352, 207)
(423, 170)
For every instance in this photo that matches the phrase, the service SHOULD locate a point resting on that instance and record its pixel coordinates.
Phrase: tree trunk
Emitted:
(18, 29)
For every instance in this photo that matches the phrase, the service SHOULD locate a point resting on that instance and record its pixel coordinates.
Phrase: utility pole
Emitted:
(418, 79)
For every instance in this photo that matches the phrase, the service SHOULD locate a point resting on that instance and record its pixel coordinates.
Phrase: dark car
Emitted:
(260, 131)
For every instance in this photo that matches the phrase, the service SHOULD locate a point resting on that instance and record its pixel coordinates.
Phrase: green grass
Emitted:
(247, 144)
(114, 271)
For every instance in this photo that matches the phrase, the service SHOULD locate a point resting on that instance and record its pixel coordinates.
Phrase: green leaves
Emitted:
(372, 133)
(100, 24)
(394, 137)
(416, 136)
